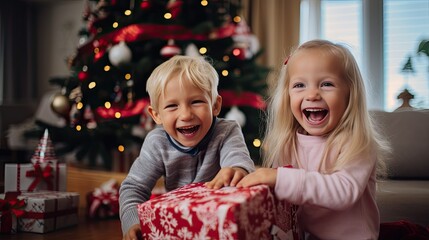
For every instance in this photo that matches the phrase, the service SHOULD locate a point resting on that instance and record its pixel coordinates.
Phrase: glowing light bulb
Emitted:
(121, 148)
(203, 50)
(107, 105)
(92, 85)
(79, 105)
(256, 142)
(167, 15)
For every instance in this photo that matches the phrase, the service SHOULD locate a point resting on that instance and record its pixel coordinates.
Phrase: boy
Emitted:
(190, 144)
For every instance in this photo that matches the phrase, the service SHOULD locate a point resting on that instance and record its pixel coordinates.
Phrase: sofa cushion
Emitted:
(408, 133)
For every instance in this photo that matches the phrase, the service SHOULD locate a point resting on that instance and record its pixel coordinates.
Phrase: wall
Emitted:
(58, 24)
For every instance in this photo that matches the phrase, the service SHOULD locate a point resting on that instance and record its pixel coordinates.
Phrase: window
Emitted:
(406, 24)
(381, 35)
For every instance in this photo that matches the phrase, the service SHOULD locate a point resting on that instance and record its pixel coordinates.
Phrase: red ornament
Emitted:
(82, 76)
(170, 50)
(99, 55)
(145, 5)
(175, 7)
(239, 53)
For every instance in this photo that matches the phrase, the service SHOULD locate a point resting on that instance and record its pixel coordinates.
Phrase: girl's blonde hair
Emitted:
(197, 70)
(354, 129)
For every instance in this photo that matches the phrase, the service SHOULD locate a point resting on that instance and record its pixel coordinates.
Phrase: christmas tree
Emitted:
(104, 99)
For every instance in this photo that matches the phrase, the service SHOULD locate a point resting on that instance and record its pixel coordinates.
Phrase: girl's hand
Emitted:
(226, 177)
(265, 176)
(133, 233)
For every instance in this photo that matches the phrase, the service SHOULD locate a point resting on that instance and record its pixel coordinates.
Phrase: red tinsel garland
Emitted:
(138, 32)
(129, 110)
(250, 99)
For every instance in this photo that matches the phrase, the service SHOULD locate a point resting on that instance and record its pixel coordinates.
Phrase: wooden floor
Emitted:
(85, 230)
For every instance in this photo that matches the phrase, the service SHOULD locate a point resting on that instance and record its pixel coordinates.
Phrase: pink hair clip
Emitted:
(287, 60)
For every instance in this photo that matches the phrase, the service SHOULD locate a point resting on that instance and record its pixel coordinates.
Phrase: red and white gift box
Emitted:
(103, 202)
(196, 212)
(48, 211)
(49, 175)
(11, 208)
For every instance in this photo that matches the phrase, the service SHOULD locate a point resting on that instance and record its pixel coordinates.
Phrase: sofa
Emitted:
(404, 194)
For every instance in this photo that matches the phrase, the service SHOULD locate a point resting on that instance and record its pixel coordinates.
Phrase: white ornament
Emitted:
(170, 50)
(244, 38)
(192, 51)
(237, 115)
(120, 54)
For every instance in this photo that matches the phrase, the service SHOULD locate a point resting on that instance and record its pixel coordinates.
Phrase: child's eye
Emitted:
(327, 84)
(197, 101)
(170, 106)
(298, 85)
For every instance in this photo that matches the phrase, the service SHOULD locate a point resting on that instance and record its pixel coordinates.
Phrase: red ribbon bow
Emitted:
(39, 175)
(100, 197)
(9, 206)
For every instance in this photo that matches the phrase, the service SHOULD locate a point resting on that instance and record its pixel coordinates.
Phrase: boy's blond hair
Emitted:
(197, 70)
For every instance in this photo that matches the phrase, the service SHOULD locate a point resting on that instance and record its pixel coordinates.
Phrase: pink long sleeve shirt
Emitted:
(340, 205)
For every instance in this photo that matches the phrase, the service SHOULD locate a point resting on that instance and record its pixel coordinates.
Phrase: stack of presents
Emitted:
(36, 200)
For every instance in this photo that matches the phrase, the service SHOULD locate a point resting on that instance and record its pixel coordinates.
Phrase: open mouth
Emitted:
(315, 114)
(188, 130)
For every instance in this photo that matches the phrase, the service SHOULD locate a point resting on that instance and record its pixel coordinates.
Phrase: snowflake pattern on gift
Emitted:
(196, 212)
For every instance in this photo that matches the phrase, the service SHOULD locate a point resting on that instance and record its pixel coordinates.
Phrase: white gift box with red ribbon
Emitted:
(49, 175)
(48, 211)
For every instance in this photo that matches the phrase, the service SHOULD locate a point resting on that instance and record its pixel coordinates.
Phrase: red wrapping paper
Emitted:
(196, 212)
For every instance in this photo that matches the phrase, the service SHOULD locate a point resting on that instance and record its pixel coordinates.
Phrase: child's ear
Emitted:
(154, 114)
(217, 106)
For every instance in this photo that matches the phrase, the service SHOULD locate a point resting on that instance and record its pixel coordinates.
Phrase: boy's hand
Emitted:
(226, 177)
(134, 233)
(267, 176)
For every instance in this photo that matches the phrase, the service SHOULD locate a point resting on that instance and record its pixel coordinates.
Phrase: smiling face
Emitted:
(185, 111)
(318, 91)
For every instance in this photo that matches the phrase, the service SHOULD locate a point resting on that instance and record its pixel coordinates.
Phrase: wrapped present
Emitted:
(196, 212)
(103, 202)
(11, 208)
(43, 173)
(50, 175)
(48, 211)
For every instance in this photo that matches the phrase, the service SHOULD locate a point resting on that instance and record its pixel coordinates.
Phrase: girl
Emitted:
(318, 122)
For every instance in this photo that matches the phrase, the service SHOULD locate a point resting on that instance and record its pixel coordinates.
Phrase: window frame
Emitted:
(372, 43)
